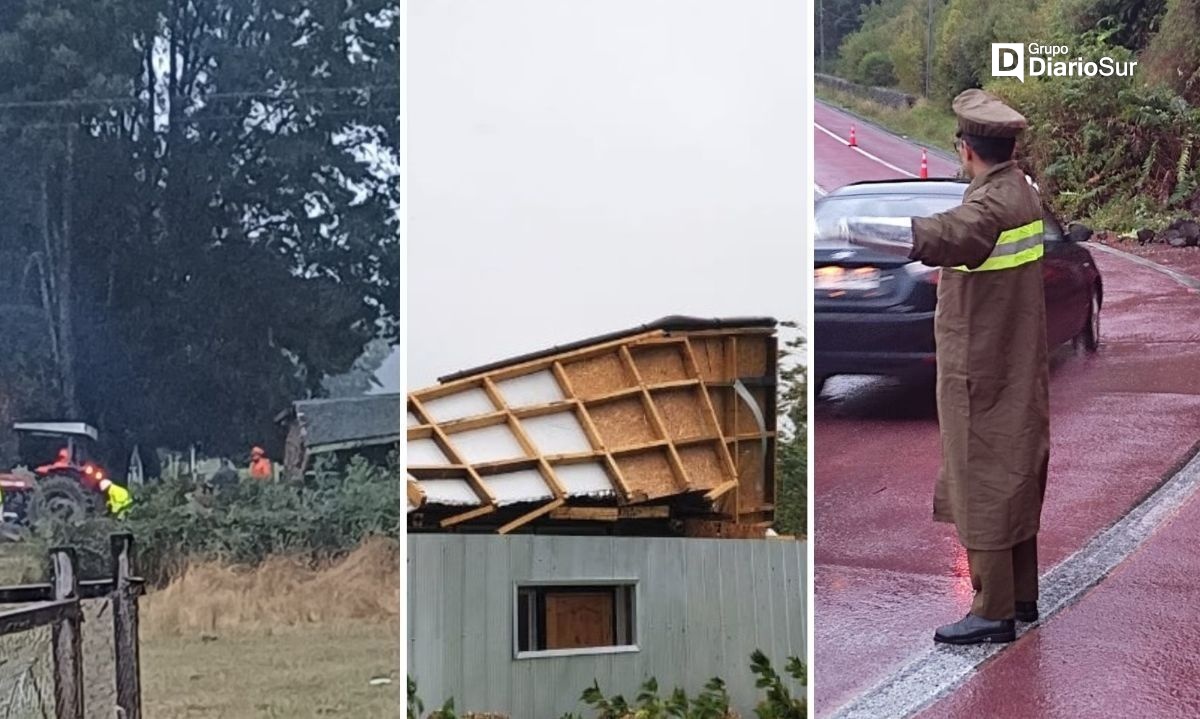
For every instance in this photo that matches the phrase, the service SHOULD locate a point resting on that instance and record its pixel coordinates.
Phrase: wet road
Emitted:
(886, 575)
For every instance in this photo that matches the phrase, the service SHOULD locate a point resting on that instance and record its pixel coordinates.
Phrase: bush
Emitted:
(1109, 147)
(876, 69)
(178, 522)
(711, 703)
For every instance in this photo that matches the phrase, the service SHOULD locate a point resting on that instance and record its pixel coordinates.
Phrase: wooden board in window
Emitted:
(576, 620)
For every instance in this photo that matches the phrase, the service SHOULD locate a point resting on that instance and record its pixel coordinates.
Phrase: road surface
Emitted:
(1122, 423)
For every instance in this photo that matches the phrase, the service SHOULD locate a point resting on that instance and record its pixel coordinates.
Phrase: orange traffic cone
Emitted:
(853, 140)
(924, 165)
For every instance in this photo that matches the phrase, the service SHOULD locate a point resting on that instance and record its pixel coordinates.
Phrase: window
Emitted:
(576, 618)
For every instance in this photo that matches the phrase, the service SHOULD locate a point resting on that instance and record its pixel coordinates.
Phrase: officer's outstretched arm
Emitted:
(964, 235)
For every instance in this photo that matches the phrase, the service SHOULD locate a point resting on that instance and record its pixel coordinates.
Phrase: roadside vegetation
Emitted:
(930, 124)
(791, 456)
(180, 523)
(782, 698)
(1118, 153)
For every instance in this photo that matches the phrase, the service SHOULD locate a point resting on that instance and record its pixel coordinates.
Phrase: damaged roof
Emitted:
(674, 419)
(342, 423)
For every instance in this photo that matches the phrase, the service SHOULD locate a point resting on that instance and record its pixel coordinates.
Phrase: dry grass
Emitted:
(282, 640)
(283, 592)
(20, 563)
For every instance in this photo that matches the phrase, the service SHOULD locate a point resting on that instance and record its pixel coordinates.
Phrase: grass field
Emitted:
(284, 639)
(20, 563)
(308, 671)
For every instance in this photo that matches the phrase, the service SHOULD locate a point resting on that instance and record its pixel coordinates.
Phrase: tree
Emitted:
(791, 461)
(221, 186)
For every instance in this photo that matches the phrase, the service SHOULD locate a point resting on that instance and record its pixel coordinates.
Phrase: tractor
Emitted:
(64, 481)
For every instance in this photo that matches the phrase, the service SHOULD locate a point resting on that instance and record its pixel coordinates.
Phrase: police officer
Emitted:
(992, 374)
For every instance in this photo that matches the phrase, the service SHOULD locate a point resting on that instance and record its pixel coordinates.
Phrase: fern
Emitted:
(1148, 164)
(1185, 161)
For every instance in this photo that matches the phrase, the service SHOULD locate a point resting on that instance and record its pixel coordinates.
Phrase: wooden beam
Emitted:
(529, 517)
(656, 511)
(720, 490)
(532, 366)
(592, 514)
(633, 391)
(611, 514)
(416, 495)
(479, 421)
(465, 516)
(541, 410)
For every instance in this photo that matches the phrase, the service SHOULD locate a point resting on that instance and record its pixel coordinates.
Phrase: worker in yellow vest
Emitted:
(117, 497)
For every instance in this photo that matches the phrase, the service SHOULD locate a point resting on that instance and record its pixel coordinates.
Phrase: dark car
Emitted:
(874, 311)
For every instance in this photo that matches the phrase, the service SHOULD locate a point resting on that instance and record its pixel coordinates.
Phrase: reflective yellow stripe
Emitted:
(1020, 233)
(1014, 248)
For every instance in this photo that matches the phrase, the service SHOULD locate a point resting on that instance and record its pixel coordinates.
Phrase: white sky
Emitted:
(587, 166)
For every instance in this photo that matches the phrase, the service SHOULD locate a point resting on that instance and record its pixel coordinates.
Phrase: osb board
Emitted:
(752, 355)
(751, 480)
(710, 358)
(622, 423)
(660, 363)
(598, 375)
(702, 465)
(724, 401)
(683, 413)
(649, 472)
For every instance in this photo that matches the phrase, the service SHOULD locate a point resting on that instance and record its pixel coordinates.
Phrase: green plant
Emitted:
(415, 706)
(791, 460)
(712, 703)
(875, 68)
(779, 702)
(178, 522)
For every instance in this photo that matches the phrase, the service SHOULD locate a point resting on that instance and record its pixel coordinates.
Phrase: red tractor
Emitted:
(64, 483)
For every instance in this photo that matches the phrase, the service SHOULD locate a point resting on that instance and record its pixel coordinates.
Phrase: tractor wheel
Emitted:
(61, 498)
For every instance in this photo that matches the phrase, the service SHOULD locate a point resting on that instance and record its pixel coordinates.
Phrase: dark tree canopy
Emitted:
(206, 193)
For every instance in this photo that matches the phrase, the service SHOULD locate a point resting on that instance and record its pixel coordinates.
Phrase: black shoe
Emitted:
(976, 630)
(1027, 612)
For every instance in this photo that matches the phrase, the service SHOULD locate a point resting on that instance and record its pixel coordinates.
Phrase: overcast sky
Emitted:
(586, 166)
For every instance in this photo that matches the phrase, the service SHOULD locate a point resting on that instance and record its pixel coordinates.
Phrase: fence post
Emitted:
(125, 627)
(67, 638)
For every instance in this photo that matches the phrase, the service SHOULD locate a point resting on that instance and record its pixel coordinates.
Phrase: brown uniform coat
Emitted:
(990, 327)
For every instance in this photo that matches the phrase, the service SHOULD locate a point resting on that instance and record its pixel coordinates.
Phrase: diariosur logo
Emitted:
(1014, 59)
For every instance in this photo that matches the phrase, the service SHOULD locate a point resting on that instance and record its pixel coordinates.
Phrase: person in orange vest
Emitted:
(63, 460)
(260, 466)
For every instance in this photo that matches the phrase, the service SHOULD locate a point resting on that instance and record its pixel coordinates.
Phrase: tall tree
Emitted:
(220, 198)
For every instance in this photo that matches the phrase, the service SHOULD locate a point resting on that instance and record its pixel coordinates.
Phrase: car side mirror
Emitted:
(1078, 232)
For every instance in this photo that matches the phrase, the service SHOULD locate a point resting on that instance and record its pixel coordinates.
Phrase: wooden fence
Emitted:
(57, 605)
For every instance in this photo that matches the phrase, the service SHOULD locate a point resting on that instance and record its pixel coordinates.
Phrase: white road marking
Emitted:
(864, 153)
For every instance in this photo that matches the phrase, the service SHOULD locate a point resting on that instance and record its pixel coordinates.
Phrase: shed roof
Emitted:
(331, 424)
